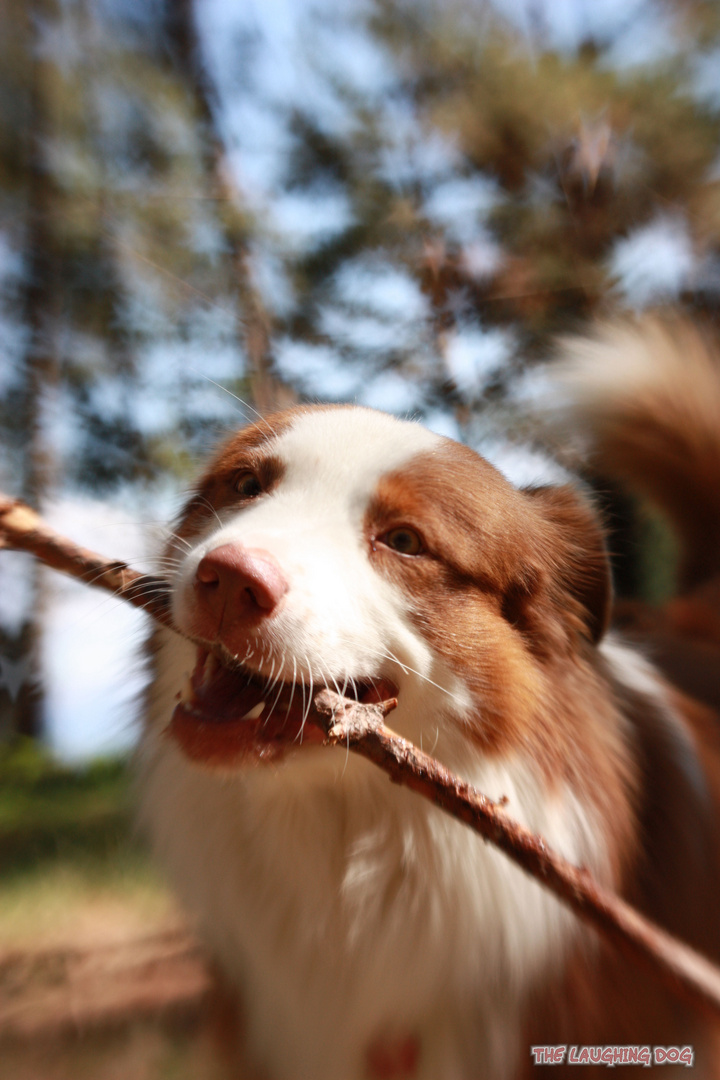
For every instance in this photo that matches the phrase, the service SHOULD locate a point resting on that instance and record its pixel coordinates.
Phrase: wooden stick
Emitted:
(21, 529)
(361, 728)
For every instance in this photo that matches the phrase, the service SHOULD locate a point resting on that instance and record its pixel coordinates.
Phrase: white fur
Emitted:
(344, 907)
(635, 672)
(632, 669)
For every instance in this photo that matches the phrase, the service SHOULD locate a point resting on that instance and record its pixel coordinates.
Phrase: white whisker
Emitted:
(387, 655)
(245, 404)
(206, 502)
(292, 689)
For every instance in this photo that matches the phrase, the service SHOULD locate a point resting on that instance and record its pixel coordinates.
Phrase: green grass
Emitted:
(70, 860)
(47, 809)
(34, 787)
(658, 558)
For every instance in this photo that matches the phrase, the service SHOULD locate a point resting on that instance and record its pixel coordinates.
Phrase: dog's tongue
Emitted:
(230, 717)
(219, 695)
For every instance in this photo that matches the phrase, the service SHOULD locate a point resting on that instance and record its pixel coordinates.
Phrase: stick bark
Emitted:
(362, 729)
(22, 529)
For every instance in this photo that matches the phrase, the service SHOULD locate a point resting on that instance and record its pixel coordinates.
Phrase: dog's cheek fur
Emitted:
(508, 584)
(465, 628)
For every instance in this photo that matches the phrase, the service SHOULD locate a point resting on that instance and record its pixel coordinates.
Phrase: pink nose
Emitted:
(234, 583)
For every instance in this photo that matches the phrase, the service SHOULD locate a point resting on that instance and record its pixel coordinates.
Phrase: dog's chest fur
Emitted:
(358, 911)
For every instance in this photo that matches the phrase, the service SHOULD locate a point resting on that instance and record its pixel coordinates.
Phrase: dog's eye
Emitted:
(403, 540)
(247, 485)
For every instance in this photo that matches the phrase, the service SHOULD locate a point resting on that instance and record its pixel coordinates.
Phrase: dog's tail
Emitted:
(645, 395)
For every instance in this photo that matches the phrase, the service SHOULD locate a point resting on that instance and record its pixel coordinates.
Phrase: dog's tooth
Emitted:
(255, 712)
(186, 691)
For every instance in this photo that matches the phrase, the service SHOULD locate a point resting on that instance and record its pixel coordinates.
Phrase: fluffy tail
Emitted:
(645, 395)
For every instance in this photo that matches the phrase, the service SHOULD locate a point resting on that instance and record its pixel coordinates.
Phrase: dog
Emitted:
(362, 933)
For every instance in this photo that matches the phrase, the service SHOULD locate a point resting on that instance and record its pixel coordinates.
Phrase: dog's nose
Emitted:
(233, 581)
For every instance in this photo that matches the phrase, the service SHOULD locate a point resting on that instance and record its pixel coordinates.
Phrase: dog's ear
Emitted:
(574, 553)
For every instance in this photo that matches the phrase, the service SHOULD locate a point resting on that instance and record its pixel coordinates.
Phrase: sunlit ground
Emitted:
(81, 911)
(69, 902)
(141, 1052)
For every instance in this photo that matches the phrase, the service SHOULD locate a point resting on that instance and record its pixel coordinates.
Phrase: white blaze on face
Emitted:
(339, 618)
(350, 449)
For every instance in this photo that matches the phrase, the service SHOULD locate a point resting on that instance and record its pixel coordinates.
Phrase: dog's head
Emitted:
(338, 546)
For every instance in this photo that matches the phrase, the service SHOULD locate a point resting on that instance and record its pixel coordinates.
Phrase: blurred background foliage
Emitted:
(212, 207)
(215, 207)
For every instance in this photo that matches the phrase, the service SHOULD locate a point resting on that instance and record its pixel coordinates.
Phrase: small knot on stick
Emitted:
(345, 720)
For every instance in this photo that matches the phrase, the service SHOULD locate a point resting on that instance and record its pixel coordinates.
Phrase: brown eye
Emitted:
(247, 485)
(403, 540)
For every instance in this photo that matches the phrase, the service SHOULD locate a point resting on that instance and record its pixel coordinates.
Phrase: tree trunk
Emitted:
(41, 302)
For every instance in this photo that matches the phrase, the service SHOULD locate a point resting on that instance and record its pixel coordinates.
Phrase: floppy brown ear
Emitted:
(575, 552)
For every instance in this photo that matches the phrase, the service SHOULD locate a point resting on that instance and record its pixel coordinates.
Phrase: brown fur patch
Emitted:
(512, 590)
(247, 450)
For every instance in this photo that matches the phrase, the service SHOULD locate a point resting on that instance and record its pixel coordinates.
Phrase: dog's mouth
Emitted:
(235, 717)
